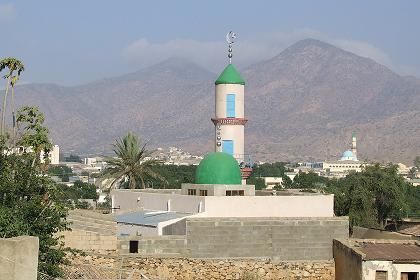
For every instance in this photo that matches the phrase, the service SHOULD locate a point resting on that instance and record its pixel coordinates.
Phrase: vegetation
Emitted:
(309, 180)
(72, 158)
(61, 171)
(131, 163)
(175, 175)
(417, 163)
(276, 169)
(15, 68)
(28, 198)
(80, 190)
(372, 196)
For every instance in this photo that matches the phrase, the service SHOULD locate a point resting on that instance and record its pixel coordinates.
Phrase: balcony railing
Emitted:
(244, 160)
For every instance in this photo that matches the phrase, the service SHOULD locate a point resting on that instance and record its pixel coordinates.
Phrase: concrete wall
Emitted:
(129, 200)
(171, 245)
(277, 238)
(88, 240)
(177, 228)
(348, 263)
(218, 190)
(19, 258)
(270, 206)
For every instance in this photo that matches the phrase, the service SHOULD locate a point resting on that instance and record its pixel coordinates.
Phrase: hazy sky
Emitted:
(77, 41)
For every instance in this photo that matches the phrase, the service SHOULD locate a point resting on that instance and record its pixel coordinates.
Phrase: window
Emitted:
(381, 275)
(227, 147)
(134, 246)
(192, 191)
(235, 193)
(230, 105)
(203, 192)
(409, 276)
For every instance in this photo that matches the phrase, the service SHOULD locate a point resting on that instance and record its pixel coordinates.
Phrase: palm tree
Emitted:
(12, 64)
(131, 162)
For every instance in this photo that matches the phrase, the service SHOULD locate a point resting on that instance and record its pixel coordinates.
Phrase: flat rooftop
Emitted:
(148, 218)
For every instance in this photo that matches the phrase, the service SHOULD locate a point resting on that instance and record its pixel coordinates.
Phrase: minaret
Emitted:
(230, 120)
(353, 145)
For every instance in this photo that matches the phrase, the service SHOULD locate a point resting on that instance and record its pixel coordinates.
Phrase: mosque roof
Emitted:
(230, 76)
(348, 154)
(218, 168)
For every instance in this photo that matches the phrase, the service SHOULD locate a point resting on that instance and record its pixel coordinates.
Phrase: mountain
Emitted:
(302, 104)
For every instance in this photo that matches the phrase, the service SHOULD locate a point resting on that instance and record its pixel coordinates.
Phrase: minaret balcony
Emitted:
(229, 121)
(245, 163)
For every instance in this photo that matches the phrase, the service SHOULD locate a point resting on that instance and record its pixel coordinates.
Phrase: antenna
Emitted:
(230, 39)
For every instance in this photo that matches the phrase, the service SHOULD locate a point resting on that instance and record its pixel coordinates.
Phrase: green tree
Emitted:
(61, 171)
(28, 198)
(308, 180)
(417, 163)
(370, 197)
(412, 173)
(131, 162)
(13, 65)
(287, 182)
(34, 134)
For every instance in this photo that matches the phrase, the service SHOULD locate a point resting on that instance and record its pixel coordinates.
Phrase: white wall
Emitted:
(394, 270)
(132, 200)
(228, 206)
(270, 206)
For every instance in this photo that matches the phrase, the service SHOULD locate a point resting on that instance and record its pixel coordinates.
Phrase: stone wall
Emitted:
(189, 269)
(277, 238)
(88, 240)
(19, 258)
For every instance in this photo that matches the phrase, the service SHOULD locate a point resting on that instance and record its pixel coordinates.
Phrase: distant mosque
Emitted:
(351, 155)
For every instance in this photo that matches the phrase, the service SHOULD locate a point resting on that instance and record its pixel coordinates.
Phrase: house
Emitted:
(376, 259)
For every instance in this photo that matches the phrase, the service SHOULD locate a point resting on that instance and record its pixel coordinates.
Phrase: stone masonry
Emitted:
(193, 269)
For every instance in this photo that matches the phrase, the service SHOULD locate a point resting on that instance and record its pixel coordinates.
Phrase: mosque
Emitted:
(348, 162)
(220, 210)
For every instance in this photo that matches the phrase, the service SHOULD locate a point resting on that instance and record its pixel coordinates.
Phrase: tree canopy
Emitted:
(132, 162)
(28, 198)
(372, 196)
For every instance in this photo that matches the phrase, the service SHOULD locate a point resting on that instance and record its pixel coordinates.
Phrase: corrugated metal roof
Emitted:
(146, 218)
(390, 251)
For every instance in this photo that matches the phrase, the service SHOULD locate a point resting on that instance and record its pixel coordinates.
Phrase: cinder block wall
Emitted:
(160, 246)
(276, 238)
(87, 240)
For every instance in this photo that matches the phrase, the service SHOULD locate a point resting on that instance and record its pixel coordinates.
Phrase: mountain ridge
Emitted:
(303, 103)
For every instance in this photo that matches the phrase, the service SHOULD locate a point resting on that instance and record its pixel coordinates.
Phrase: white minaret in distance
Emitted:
(230, 119)
(353, 144)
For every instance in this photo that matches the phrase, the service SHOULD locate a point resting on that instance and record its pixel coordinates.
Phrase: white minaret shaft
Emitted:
(354, 144)
(229, 120)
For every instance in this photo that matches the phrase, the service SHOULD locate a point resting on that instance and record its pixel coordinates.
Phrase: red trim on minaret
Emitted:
(229, 121)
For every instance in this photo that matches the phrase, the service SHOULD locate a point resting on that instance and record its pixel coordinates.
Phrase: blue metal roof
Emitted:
(146, 218)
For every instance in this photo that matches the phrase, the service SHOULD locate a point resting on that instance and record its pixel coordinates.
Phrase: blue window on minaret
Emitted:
(227, 146)
(230, 105)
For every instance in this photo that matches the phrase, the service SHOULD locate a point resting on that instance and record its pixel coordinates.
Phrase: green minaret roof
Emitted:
(230, 76)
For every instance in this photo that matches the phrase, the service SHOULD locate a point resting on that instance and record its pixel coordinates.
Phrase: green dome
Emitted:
(218, 168)
(230, 76)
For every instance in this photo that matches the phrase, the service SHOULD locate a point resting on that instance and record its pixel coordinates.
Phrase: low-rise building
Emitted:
(362, 259)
